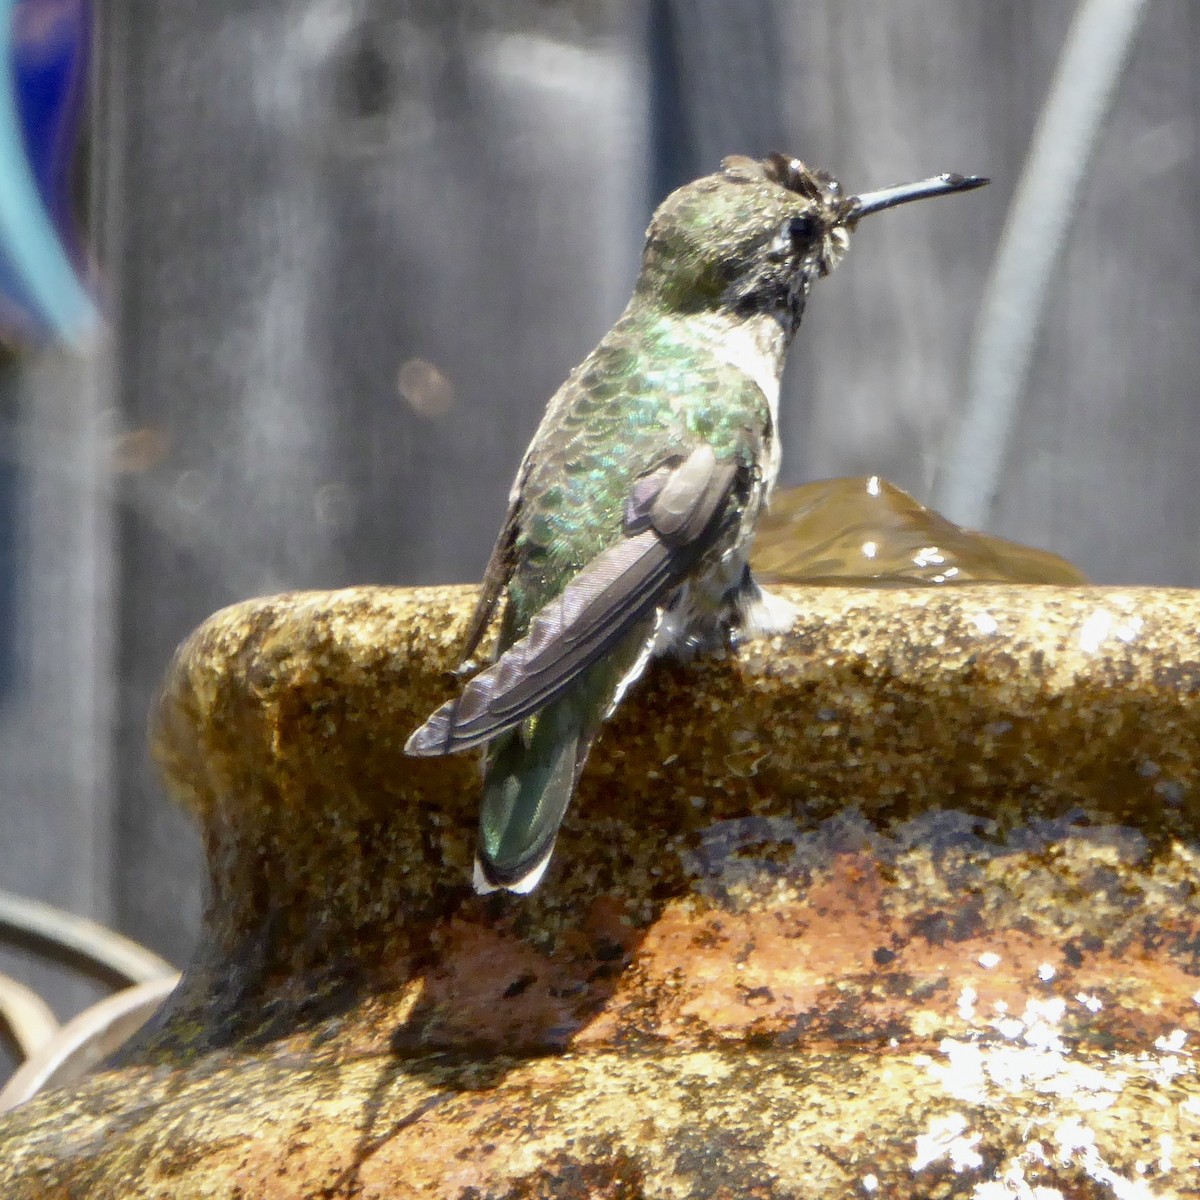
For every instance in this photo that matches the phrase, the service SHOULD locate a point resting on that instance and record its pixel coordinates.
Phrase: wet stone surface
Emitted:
(902, 903)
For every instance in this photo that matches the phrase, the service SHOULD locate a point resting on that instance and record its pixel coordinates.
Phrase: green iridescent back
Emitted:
(649, 390)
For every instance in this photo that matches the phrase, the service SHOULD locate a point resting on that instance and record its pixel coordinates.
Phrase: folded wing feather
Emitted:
(602, 602)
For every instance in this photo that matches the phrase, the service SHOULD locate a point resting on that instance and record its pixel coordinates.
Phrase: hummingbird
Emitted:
(630, 521)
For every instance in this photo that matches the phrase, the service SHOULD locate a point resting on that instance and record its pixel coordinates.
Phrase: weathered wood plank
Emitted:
(317, 196)
(55, 720)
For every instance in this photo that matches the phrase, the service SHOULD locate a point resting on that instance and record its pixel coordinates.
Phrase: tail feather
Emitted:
(529, 779)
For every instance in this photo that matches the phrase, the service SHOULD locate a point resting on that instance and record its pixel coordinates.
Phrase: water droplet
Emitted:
(334, 505)
(425, 389)
(192, 490)
(139, 450)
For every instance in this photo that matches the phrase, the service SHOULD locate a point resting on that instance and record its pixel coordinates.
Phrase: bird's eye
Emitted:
(802, 228)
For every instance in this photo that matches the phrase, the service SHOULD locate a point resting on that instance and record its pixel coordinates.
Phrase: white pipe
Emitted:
(1081, 94)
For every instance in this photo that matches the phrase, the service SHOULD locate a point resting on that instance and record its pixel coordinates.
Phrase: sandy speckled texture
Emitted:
(903, 902)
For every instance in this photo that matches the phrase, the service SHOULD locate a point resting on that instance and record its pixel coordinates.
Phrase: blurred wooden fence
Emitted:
(351, 247)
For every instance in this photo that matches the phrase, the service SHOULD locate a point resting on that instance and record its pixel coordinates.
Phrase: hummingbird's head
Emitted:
(753, 237)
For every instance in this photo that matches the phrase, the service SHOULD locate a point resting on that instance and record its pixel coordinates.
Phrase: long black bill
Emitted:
(902, 193)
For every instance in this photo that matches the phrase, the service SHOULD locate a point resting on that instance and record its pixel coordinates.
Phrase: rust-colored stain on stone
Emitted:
(900, 904)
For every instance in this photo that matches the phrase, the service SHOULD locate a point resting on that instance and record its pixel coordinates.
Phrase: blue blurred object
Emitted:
(44, 47)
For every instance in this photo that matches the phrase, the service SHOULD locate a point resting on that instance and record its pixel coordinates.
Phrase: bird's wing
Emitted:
(497, 572)
(672, 517)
